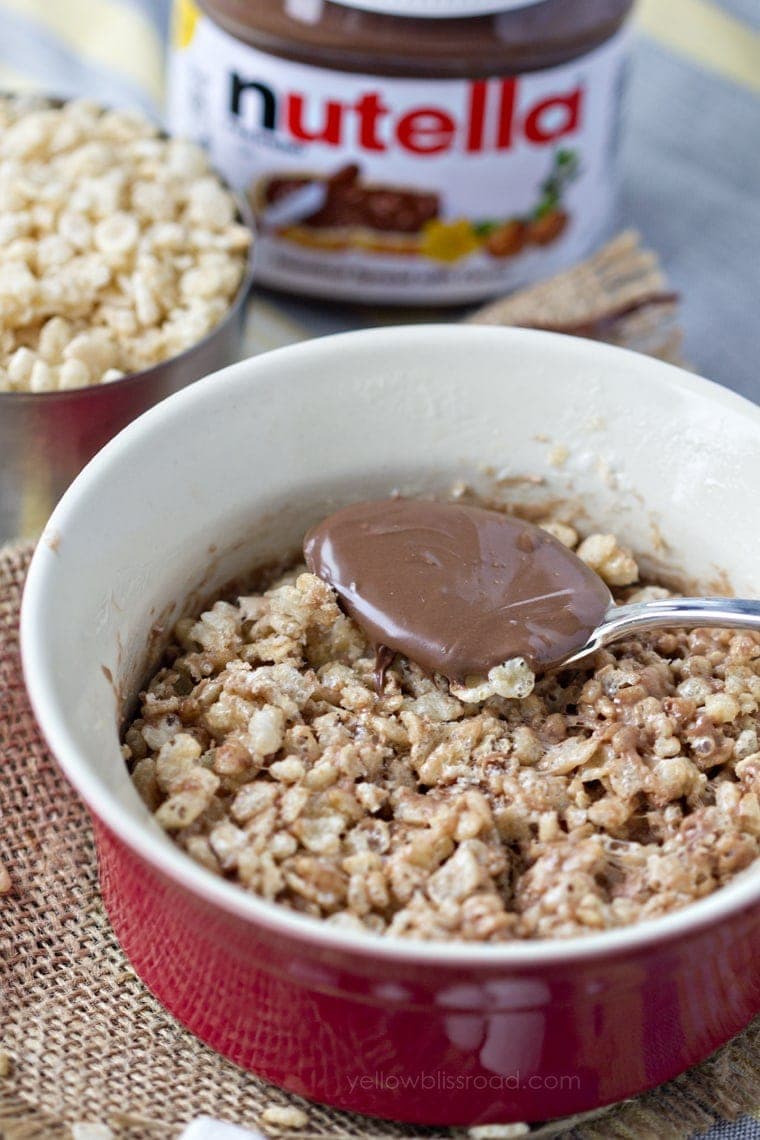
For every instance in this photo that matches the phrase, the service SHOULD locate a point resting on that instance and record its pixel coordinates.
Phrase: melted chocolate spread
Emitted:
(458, 589)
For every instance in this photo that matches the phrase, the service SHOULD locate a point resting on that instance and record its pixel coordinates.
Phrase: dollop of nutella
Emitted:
(457, 589)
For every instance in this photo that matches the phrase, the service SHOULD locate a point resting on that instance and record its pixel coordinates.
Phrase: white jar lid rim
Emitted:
(437, 9)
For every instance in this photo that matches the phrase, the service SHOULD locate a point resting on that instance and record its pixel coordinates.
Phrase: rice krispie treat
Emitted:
(610, 794)
(119, 248)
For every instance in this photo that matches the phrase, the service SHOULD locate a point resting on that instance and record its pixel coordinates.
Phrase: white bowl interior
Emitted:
(229, 473)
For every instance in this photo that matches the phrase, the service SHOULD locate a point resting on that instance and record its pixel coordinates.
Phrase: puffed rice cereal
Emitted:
(119, 248)
(284, 1116)
(515, 807)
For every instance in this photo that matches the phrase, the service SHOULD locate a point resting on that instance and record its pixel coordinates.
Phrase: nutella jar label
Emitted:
(373, 188)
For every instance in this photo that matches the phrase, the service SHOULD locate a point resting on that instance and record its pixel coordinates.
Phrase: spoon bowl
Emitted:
(460, 589)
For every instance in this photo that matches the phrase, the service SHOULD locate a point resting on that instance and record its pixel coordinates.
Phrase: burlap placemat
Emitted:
(81, 1039)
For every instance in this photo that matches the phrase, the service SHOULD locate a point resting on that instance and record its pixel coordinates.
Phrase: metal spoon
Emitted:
(683, 613)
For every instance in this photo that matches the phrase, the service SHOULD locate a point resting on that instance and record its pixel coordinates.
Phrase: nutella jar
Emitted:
(408, 151)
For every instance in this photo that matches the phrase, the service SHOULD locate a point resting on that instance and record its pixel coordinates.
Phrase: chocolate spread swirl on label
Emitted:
(457, 589)
(349, 202)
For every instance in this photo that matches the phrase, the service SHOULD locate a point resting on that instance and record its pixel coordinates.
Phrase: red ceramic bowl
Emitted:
(229, 473)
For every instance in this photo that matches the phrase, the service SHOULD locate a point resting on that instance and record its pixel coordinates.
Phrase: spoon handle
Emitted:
(689, 613)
